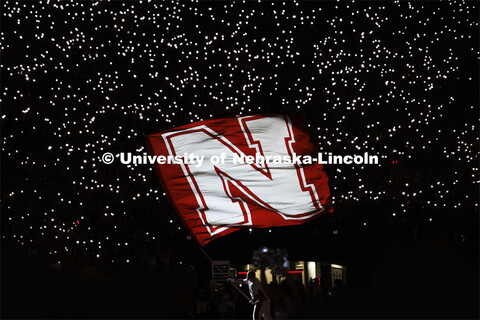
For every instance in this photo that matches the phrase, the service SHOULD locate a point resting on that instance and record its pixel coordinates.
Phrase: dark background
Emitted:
(81, 239)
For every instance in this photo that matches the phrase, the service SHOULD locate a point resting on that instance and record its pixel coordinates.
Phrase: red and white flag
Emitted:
(226, 174)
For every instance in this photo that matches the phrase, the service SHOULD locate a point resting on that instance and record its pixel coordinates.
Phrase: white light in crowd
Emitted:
(146, 69)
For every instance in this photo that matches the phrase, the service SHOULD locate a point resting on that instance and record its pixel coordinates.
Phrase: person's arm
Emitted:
(254, 300)
(257, 296)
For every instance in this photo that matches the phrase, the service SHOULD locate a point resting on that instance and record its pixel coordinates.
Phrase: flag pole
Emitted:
(223, 274)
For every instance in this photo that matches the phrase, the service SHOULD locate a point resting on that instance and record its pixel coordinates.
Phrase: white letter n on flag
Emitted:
(216, 199)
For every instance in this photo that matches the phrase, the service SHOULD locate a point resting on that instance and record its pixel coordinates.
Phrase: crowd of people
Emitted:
(399, 80)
